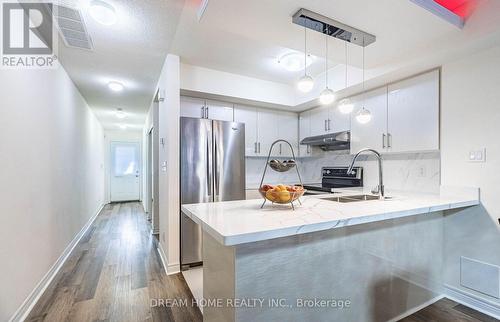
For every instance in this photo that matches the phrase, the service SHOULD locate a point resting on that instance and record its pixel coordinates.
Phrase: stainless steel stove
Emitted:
(334, 178)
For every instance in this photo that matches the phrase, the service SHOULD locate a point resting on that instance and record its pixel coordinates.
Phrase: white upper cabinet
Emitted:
(405, 117)
(288, 129)
(319, 120)
(221, 111)
(304, 131)
(413, 114)
(372, 134)
(192, 107)
(206, 109)
(248, 115)
(267, 122)
(338, 121)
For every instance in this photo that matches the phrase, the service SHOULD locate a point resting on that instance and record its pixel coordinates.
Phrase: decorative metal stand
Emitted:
(281, 166)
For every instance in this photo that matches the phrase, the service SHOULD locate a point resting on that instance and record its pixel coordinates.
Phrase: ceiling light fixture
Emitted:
(306, 82)
(293, 62)
(115, 86)
(345, 105)
(120, 113)
(327, 96)
(102, 12)
(363, 116)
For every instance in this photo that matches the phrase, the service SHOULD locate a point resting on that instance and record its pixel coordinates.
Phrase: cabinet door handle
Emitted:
(389, 140)
(329, 122)
(206, 112)
(255, 147)
(258, 144)
(383, 140)
(203, 112)
(280, 148)
(326, 125)
(308, 149)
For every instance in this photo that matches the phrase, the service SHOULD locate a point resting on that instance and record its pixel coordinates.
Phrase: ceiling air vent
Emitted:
(72, 27)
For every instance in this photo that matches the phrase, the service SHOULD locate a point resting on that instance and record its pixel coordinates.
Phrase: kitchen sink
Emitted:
(355, 198)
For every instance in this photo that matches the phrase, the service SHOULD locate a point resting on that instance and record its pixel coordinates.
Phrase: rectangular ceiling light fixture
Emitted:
(449, 10)
(333, 28)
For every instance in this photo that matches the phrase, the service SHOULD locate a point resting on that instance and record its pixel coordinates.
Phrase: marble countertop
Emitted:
(239, 222)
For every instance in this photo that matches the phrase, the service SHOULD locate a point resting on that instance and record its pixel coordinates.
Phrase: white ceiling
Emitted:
(247, 37)
(131, 51)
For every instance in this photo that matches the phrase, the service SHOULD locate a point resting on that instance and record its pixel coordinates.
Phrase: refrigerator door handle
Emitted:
(216, 191)
(209, 170)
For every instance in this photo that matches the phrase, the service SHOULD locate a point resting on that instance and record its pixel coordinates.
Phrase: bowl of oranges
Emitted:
(281, 193)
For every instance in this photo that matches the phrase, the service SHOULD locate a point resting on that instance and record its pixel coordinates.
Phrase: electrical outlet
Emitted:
(477, 155)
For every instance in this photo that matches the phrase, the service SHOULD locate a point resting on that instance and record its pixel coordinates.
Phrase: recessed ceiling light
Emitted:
(102, 12)
(120, 114)
(115, 86)
(294, 62)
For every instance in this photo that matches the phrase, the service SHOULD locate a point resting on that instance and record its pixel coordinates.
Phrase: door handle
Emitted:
(383, 140)
(203, 112)
(389, 140)
(326, 125)
(280, 148)
(206, 112)
(259, 147)
(255, 147)
(308, 149)
(329, 128)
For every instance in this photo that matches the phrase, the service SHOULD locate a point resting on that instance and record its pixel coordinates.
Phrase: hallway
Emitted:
(113, 274)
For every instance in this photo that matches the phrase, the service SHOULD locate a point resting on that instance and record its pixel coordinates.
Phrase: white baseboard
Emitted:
(169, 269)
(416, 309)
(472, 301)
(24, 310)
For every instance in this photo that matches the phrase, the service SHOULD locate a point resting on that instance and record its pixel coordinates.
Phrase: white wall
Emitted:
(52, 176)
(118, 136)
(169, 193)
(470, 119)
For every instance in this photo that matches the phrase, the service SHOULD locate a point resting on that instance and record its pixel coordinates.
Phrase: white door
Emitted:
(192, 107)
(319, 120)
(304, 131)
(221, 111)
(288, 129)
(248, 115)
(372, 134)
(125, 171)
(267, 131)
(413, 114)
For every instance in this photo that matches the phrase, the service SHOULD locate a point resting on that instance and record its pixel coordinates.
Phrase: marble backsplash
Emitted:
(408, 172)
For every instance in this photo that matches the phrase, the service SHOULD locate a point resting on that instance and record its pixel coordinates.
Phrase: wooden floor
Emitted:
(115, 274)
(446, 310)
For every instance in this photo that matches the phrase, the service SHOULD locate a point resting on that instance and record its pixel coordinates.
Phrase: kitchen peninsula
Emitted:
(383, 258)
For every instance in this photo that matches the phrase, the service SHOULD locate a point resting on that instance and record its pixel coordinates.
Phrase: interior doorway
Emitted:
(149, 176)
(125, 173)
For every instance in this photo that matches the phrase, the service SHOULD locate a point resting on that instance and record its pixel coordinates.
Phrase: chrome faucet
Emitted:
(381, 193)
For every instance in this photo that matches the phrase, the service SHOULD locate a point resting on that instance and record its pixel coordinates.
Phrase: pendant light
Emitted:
(363, 116)
(327, 96)
(306, 82)
(346, 106)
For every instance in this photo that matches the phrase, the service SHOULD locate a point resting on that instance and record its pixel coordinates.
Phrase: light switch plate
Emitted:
(477, 155)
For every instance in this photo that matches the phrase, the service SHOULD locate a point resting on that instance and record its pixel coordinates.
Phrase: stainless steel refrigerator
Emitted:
(212, 169)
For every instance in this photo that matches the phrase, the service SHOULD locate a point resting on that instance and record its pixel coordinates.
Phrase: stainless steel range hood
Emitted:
(330, 142)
